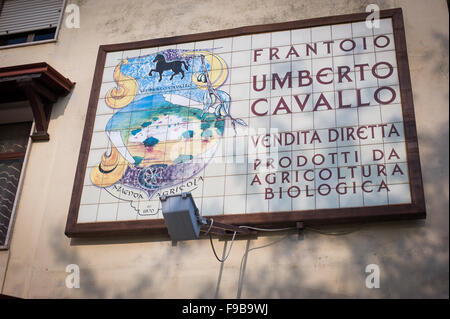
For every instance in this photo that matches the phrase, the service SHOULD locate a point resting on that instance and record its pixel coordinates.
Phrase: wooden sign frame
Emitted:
(414, 210)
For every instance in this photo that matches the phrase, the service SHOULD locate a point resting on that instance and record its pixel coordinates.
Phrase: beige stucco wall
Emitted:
(412, 256)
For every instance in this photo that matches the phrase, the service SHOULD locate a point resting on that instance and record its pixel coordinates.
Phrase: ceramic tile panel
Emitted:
(290, 120)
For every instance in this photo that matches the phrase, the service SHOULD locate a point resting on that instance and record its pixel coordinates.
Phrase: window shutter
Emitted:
(17, 16)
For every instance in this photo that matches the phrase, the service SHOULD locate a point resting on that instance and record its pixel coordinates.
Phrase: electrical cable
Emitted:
(210, 226)
(229, 250)
(333, 233)
(268, 229)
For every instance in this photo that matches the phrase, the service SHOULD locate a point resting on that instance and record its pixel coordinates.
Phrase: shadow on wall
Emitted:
(412, 256)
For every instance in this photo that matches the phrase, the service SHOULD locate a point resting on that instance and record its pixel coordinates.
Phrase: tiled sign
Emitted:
(300, 122)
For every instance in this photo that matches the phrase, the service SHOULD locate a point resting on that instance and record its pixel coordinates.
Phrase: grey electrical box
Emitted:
(181, 216)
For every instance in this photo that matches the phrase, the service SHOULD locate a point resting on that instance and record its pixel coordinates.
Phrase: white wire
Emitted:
(229, 250)
(210, 226)
(267, 229)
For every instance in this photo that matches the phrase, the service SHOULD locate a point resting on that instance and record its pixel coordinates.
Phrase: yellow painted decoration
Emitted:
(126, 91)
(110, 170)
(218, 73)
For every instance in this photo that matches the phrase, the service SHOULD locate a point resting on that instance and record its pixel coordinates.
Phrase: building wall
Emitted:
(412, 256)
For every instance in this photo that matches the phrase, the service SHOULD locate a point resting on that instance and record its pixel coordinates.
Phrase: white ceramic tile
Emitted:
(242, 43)
(320, 63)
(295, 52)
(306, 201)
(100, 122)
(397, 173)
(361, 29)
(301, 103)
(107, 212)
(343, 47)
(364, 58)
(212, 206)
(214, 186)
(323, 101)
(388, 57)
(240, 91)
(184, 46)
(256, 183)
(391, 113)
(108, 75)
(348, 156)
(261, 40)
(204, 45)
(260, 89)
(87, 213)
(374, 174)
(388, 96)
(281, 122)
(395, 152)
(346, 117)
(222, 45)
(325, 119)
(107, 195)
(325, 86)
(256, 203)
(301, 35)
(303, 121)
(279, 90)
(384, 27)
(341, 31)
(240, 109)
(281, 68)
(103, 108)
(235, 185)
(95, 156)
(259, 122)
(126, 211)
(363, 45)
(353, 197)
(321, 139)
(369, 115)
(113, 58)
(367, 95)
(372, 154)
(324, 158)
(374, 196)
(326, 175)
(235, 204)
(240, 58)
(148, 51)
(391, 77)
(324, 49)
(384, 42)
(237, 165)
(240, 75)
(277, 204)
(132, 54)
(304, 64)
(261, 56)
(147, 210)
(343, 61)
(281, 38)
(304, 159)
(90, 195)
(215, 168)
(344, 80)
(399, 194)
(394, 132)
(302, 86)
(321, 33)
(105, 88)
(326, 201)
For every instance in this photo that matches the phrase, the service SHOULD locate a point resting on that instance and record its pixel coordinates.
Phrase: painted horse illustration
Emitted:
(162, 65)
